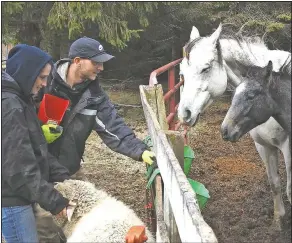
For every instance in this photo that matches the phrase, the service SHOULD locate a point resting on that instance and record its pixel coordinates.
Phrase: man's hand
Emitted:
(148, 157)
(63, 213)
(52, 132)
(67, 212)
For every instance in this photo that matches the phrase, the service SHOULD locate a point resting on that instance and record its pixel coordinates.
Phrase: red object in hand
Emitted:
(136, 234)
(52, 108)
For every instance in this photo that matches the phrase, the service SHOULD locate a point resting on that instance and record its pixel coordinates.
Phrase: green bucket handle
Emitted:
(189, 156)
(201, 191)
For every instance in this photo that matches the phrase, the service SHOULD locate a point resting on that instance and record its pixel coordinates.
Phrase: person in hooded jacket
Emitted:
(28, 170)
(75, 79)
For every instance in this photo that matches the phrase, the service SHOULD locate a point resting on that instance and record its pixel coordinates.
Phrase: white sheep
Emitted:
(98, 217)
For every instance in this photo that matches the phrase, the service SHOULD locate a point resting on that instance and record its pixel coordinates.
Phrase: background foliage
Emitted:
(142, 35)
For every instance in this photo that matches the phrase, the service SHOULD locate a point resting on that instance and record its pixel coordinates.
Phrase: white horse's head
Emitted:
(204, 75)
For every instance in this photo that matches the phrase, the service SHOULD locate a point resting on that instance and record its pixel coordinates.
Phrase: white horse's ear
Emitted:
(215, 36)
(195, 33)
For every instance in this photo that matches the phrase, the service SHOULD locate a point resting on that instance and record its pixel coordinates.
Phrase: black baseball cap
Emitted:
(86, 47)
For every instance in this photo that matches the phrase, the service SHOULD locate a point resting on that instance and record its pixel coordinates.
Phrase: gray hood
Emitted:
(8, 84)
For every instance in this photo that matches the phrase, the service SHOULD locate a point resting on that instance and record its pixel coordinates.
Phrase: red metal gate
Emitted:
(169, 96)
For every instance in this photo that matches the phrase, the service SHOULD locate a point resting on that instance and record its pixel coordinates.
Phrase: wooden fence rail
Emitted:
(179, 200)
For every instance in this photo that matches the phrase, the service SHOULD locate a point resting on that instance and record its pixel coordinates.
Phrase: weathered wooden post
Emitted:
(180, 200)
(155, 104)
(176, 141)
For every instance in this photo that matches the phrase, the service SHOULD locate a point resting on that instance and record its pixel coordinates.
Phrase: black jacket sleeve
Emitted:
(115, 133)
(58, 172)
(20, 168)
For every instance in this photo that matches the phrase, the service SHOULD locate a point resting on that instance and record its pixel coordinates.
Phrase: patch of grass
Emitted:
(124, 97)
(200, 127)
(221, 103)
(286, 18)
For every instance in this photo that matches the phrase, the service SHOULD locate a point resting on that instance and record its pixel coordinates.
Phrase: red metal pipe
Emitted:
(170, 117)
(186, 128)
(171, 103)
(169, 120)
(153, 79)
(172, 91)
(177, 126)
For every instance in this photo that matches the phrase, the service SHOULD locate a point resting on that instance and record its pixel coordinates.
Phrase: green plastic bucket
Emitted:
(189, 156)
(201, 191)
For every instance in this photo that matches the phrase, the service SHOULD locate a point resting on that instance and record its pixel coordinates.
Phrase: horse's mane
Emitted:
(240, 39)
(249, 45)
(286, 67)
(285, 70)
(253, 42)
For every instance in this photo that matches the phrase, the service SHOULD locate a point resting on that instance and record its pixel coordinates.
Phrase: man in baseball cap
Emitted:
(87, 57)
(89, 48)
(75, 79)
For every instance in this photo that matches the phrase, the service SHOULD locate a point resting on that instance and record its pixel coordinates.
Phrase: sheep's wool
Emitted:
(98, 217)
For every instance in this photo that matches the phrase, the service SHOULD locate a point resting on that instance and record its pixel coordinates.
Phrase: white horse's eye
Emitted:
(206, 69)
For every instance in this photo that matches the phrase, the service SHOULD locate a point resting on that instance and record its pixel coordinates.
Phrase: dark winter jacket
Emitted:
(90, 110)
(27, 167)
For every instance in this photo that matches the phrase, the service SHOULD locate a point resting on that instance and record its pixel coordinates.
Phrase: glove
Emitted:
(52, 131)
(148, 157)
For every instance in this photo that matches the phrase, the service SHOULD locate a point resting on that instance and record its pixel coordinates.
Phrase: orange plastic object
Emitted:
(136, 234)
(52, 108)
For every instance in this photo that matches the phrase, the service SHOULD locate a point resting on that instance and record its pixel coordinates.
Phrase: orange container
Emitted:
(136, 234)
(52, 108)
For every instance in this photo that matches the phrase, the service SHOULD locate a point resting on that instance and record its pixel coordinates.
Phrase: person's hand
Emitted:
(52, 132)
(63, 213)
(68, 211)
(148, 157)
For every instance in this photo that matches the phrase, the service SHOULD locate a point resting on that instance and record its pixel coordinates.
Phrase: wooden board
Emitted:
(190, 223)
(161, 233)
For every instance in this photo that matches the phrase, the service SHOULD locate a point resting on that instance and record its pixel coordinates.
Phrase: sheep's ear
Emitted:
(70, 211)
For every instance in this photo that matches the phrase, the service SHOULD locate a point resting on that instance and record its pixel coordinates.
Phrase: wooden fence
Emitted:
(178, 217)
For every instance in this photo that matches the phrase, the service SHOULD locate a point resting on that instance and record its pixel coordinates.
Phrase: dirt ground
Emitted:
(241, 206)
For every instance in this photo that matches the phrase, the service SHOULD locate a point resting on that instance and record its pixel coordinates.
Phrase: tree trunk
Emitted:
(64, 45)
(56, 47)
(30, 34)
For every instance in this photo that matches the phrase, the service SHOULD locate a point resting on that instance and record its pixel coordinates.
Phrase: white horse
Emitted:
(211, 62)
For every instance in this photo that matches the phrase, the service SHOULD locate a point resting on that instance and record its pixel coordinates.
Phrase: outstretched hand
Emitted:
(148, 157)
